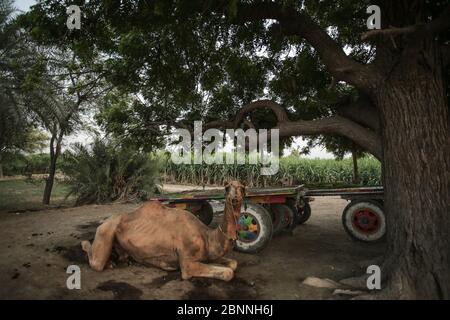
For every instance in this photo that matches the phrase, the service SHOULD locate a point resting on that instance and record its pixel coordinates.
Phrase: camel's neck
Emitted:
(228, 223)
(220, 239)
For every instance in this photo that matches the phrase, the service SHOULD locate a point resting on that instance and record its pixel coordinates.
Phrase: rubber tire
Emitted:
(300, 217)
(205, 213)
(281, 210)
(265, 233)
(374, 206)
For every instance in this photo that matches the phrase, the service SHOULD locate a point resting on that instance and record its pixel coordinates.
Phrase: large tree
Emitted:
(41, 86)
(56, 93)
(387, 91)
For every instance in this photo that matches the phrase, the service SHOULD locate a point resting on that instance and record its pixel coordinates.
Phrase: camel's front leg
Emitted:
(191, 269)
(100, 250)
(230, 263)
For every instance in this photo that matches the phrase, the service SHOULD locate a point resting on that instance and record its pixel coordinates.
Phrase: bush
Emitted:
(38, 163)
(106, 172)
(14, 164)
(25, 164)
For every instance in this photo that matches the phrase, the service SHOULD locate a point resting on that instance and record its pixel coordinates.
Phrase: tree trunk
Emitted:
(355, 168)
(50, 180)
(416, 148)
(54, 154)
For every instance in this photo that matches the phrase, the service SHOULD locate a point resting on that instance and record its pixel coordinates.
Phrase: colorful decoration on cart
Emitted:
(247, 228)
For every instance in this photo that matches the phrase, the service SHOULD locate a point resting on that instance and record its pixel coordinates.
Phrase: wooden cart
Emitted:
(269, 211)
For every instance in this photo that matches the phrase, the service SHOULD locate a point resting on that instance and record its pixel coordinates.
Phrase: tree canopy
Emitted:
(192, 60)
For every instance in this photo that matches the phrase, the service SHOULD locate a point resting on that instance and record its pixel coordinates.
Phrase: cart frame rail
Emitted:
(267, 195)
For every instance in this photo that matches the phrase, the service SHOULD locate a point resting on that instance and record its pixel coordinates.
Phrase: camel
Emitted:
(171, 239)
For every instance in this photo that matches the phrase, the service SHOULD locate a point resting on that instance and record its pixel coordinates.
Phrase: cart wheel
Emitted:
(282, 217)
(301, 215)
(254, 229)
(364, 220)
(205, 212)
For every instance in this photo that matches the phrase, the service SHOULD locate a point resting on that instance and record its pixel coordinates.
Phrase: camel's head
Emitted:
(235, 193)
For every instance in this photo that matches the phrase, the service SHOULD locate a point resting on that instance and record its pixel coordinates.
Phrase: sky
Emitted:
(24, 5)
(84, 137)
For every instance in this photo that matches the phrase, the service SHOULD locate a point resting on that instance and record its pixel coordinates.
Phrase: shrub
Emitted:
(14, 164)
(25, 164)
(106, 172)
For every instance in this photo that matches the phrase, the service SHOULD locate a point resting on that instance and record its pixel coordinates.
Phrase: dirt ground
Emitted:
(37, 247)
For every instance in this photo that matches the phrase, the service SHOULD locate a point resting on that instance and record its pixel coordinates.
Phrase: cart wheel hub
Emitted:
(247, 228)
(366, 221)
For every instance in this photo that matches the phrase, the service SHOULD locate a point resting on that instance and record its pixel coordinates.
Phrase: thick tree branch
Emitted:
(293, 22)
(442, 23)
(279, 111)
(390, 32)
(360, 111)
(364, 137)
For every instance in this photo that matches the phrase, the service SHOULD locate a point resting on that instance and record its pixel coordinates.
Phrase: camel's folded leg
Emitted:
(100, 250)
(191, 269)
(230, 263)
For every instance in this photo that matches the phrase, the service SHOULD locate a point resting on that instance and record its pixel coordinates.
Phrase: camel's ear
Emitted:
(227, 186)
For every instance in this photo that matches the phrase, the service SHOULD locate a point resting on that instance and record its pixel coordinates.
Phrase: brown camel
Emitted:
(171, 238)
